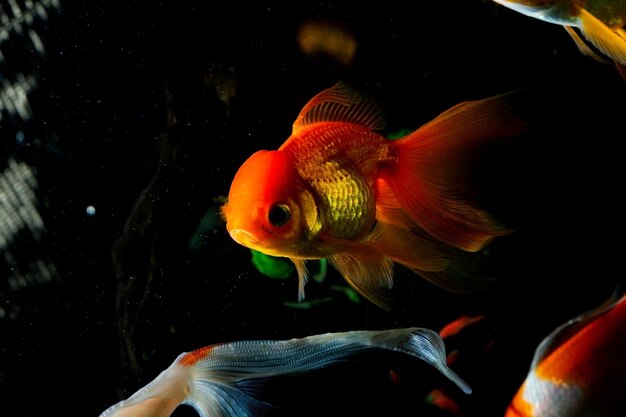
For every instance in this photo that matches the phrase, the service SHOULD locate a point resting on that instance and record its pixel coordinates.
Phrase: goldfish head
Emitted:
(269, 209)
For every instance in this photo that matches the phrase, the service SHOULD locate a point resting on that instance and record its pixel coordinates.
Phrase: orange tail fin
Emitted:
(426, 182)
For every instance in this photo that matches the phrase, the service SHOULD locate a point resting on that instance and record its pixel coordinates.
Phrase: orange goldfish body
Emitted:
(440, 398)
(338, 189)
(579, 369)
(456, 326)
(601, 23)
(223, 380)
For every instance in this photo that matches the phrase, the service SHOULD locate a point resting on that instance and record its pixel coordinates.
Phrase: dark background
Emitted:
(109, 85)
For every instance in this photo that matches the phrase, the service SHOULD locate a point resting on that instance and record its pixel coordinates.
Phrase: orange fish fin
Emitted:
(407, 248)
(583, 47)
(426, 179)
(457, 281)
(456, 326)
(340, 103)
(442, 399)
(445, 267)
(603, 37)
(376, 296)
(303, 275)
(388, 208)
(366, 270)
(462, 272)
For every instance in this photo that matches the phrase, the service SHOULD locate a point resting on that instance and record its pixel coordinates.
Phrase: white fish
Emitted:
(211, 379)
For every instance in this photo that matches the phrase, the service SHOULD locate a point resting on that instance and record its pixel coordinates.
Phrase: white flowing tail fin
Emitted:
(219, 380)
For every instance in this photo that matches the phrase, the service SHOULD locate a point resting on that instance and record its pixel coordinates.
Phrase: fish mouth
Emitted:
(244, 237)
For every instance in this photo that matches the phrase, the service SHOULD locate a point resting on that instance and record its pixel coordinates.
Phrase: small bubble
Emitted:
(91, 211)
(19, 137)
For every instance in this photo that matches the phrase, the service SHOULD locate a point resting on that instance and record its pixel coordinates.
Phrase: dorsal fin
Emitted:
(340, 103)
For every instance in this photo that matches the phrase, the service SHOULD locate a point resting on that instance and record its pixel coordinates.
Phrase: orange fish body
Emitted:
(579, 370)
(457, 325)
(338, 189)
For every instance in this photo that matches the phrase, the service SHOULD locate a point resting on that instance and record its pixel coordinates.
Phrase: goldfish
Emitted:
(221, 380)
(440, 398)
(338, 189)
(601, 23)
(579, 369)
(457, 325)
(327, 38)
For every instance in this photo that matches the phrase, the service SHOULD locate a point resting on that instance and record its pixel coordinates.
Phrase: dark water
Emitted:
(93, 306)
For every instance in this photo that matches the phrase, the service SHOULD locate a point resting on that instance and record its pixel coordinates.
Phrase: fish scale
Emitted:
(341, 177)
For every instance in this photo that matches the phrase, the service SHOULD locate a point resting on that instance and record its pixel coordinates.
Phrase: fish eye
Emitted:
(279, 214)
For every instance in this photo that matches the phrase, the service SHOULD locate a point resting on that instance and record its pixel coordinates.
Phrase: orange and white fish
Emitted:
(579, 369)
(338, 189)
(218, 380)
(601, 23)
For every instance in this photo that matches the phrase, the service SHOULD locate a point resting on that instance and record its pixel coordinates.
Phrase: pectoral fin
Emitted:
(583, 47)
(367, 270)
(303, 276)
(606, 39)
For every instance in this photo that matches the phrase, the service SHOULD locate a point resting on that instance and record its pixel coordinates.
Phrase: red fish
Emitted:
(340, 190)
(220, 380)
(440, 398)
(579, 369)
(455, 326)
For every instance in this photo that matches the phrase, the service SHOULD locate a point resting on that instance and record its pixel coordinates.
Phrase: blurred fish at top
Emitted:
(601, 23)
(338, 189)
(579, 369)
(320, 39)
